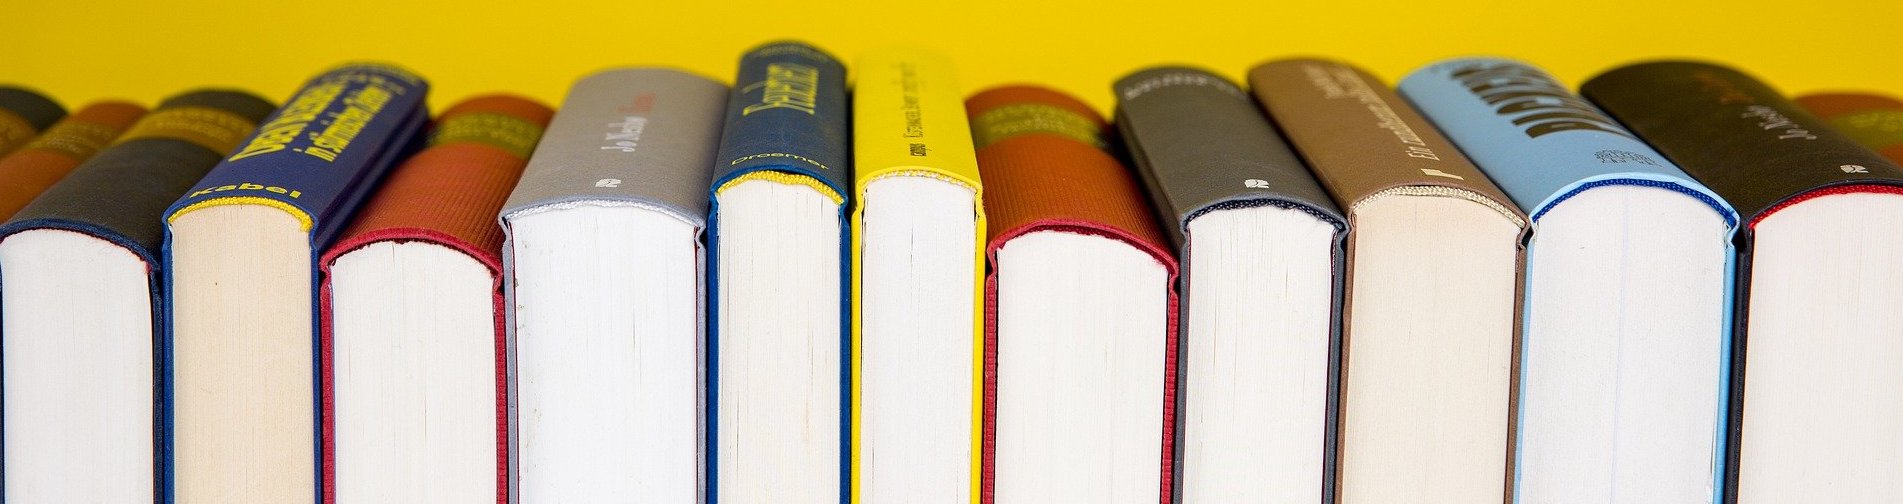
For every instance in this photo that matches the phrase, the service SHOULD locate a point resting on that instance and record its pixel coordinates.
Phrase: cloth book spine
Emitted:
(1874, 120)
(318, 156)
(1544, 144)
(1362, 140)
(908, 120)
(23, 115)
(1737, 135)
(1036, 145)
(1536, 139)
(117, 195)
(786, 122)
(637, 137)
(447, 194)
(316, 159)
(39, 164)
(1201, 145)
(628, 136)
(1753, 146)
(1364, 143)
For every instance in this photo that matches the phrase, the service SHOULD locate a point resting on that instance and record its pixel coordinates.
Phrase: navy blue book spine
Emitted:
(319, 155)
(317, 158)
(787, 113)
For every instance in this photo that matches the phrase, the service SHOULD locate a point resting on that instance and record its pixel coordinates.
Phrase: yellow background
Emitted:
(144, 50)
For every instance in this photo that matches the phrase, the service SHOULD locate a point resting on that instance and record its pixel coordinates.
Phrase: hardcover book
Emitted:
(1261, 244)
(602, 267)
(241, 256)
(1815, 416)
(1874, 120)
(1622, 362)
(415, 373)
(778, 282)
(1433, 267)
(87, 355)
(47, 159)
(918, 324)
(1079, 395)
(23, 115)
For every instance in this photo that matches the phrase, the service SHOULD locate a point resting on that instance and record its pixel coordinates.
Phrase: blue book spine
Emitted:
(787, 115)
(317, 158)
(319, 155)
(1544, 144)
(1539, 141)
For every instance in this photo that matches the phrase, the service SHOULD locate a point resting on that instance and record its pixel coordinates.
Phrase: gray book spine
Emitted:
(1200, 145)
(639, 137)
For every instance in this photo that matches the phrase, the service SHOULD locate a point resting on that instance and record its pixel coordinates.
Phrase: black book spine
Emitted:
(1744, 140)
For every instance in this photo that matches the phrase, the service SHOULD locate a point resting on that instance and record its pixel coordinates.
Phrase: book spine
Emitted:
(631, 136)
(316, 157)
(47, 159)
(1201, 144)
(787, 114)
(23, 115)
(786, 122)
(1536, 139)
(1363, 140)
(908, 121)
(1736, 134)
(115, 195)
(447, 194)
(1875, 121)
(1045, 152)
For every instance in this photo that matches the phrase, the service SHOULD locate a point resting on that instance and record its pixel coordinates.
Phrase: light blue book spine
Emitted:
(1543, 144)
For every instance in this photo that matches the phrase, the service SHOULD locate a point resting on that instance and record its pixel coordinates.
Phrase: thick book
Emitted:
(241, 251)
(779, 367)
(1260, 243)
(602, 268)
(47, 159)
(1430, 312)
(1815, 411)
(1621, 365)
(412, 349)
(918, 263)
(1874, 120)
(23, 115)
(87, 355)
(1080, 310)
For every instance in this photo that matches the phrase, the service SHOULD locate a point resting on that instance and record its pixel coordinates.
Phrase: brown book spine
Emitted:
(1362, 140)
(39, 164)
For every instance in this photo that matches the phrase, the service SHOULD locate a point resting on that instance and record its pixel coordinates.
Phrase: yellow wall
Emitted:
(81, 50)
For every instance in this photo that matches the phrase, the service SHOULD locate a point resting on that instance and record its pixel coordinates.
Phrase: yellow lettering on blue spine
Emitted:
(359, 108)
(289, 123)
(248, 186)
(787, 85)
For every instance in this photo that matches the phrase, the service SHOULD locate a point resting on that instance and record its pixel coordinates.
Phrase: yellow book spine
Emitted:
(909, 120)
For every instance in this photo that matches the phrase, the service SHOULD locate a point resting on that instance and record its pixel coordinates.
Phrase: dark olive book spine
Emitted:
(119, 194)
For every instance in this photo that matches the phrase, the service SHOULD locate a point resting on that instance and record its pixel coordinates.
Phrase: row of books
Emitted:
(1480, 286)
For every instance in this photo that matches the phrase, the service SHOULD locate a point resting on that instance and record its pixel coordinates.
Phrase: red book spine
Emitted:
(47, 159)
(1873, 120)
(447, 194)
(1042, 156)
